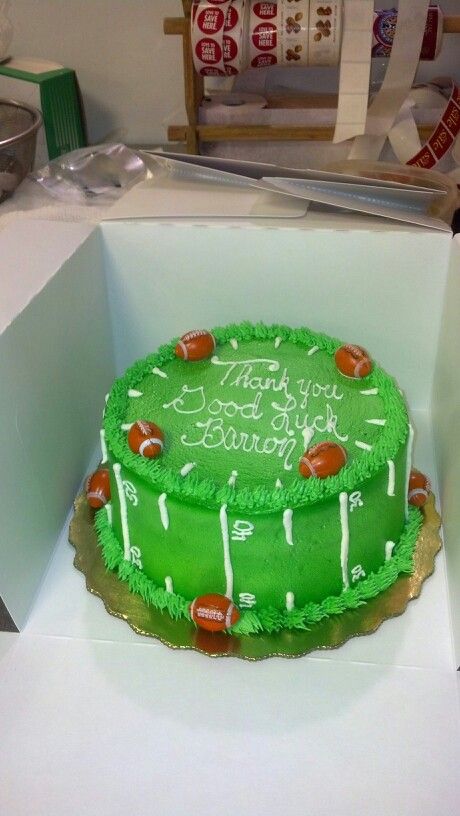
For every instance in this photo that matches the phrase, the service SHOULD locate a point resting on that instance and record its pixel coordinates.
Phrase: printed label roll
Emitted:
(384, 28)
(444, 134)
(229, 36)
(207, 32)
(293, 28)
(325, 33)
(263, 34)
(234, 42)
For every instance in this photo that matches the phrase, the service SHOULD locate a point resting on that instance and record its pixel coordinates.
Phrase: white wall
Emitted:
(130, 73)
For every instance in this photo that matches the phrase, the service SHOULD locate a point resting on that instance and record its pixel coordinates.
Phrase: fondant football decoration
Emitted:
(98, 488)
(322, 460)
(419, 488)
(146, 439)
(353, 361)
(214, 612)
(196, 345)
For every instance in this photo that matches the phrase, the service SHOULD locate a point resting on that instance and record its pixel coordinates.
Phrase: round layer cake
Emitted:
(262, 464)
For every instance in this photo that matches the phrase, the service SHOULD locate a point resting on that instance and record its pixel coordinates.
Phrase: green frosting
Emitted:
(255, 489)
(224, 509)
(268, 619)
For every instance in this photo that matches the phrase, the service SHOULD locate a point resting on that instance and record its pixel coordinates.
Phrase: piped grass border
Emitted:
(266, 619)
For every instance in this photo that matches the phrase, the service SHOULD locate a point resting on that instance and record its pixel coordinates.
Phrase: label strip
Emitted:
(399, 76)
(444, 134)
(355, 68)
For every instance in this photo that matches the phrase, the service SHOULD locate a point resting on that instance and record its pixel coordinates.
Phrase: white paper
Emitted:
(409, 211)
(387, 199)
(399, 76)
(198, 166)
(355, 68)
(182, 197)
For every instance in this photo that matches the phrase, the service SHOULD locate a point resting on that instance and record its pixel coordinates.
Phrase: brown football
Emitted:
(353, 361)
(322, 460)
(146, 439)
(419, 488)
(214, 612)
(196, 345)
(98, 488)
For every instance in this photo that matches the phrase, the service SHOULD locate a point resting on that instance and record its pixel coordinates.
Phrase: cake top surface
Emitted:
(237, 423)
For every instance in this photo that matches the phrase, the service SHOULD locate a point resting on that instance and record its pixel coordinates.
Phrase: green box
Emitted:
(54, 91)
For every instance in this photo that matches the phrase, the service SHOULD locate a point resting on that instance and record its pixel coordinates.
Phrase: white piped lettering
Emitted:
(241, 530)
(290, 411)
(357, 573)
(213, 434)
(246, 600)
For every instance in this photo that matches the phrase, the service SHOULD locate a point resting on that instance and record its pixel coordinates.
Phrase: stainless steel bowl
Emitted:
(19, 125)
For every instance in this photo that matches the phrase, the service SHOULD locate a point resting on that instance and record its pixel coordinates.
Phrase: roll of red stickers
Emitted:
(432, 39)
(263, 34)
(230, 35)
(235, 58)
(445, 132)
(265, 11)
(207, 32)
(384, 28)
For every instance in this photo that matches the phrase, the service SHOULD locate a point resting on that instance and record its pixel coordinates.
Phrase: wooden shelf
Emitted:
(194, 133)
(451, 25)
(263, 133)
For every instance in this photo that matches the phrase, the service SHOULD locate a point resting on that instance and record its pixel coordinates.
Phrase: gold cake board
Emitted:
(328, 634)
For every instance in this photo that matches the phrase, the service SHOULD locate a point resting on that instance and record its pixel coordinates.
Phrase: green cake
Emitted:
(256, 478)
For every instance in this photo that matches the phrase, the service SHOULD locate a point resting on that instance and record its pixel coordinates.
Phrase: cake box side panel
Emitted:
(55, 365)
(446, 430)
(374, 288)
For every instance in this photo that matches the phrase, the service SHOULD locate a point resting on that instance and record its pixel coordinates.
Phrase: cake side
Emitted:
(268, 619)
(261, 559)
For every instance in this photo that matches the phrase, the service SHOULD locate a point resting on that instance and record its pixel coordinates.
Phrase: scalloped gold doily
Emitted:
(182, 634)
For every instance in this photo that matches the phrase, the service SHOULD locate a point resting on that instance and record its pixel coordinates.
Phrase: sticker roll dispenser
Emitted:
(355, 44)
(229, 36)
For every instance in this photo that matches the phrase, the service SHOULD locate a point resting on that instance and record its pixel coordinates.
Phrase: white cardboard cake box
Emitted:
(85, 303)
(85, 695)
